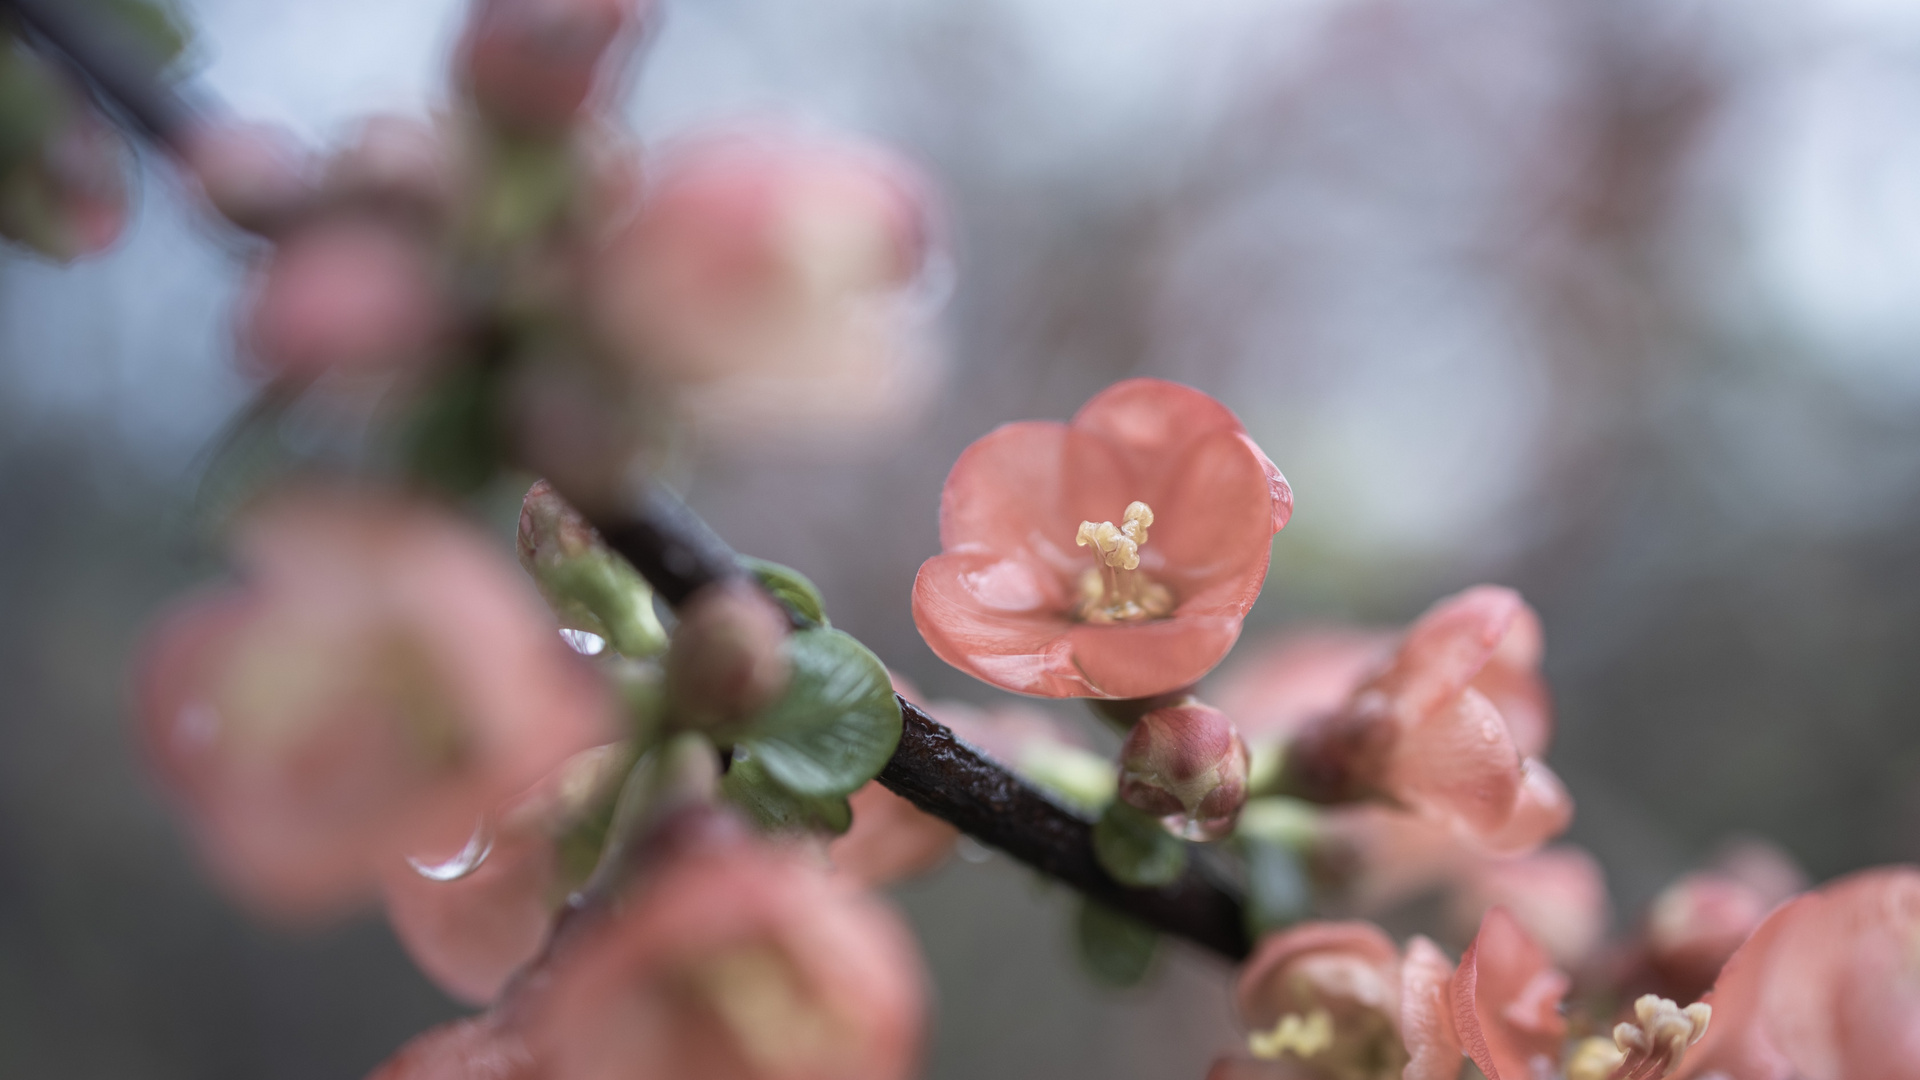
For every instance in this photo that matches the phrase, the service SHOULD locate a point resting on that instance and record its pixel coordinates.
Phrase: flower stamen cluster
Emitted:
(1116, 590)
(1304, 1037)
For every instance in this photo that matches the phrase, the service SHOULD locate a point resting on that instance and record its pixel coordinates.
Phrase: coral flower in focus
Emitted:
(382, 680)
(1111, 557)
(736, 961)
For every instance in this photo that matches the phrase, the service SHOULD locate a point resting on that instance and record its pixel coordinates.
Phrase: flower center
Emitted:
(1651, 1045)
(1302, 1036)
(1115, 589)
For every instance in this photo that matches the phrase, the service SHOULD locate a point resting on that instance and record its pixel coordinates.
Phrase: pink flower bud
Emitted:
(347, 292)
(382, 681)
(727, 660)
(890, 839)
(67, 194)
(531, 66)
(737, 961)
(1187, 763)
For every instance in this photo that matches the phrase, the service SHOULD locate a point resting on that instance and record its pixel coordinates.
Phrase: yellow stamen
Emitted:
(1302, 1036)
(1594, 1059)
(1660, 1033)
(1115, 590)
(757, 994)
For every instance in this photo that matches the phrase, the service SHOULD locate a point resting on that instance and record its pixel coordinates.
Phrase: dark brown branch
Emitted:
(949, 779)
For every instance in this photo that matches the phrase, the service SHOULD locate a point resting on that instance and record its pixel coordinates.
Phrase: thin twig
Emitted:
(123, 75)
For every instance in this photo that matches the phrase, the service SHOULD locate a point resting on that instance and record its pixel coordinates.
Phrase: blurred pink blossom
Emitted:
(890, 839)
(733, 960)
(381, 680)
(1015, 600)
(1439, 727)
(1326, 995)
(768, 277)
(1558, 895)
(347, 291)
(470, 930)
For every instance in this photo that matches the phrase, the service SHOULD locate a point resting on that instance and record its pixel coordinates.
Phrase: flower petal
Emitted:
(1505, 997)
(1426, 1015)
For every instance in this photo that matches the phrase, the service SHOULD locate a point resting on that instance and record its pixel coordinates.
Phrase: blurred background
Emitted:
(1618, 303)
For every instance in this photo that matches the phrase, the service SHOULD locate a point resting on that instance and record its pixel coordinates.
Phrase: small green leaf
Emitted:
(837, 724)
(776, 809)
(1135, 849)
(1278, 894)
(790, 587)
(1115, 949)
(602, 593)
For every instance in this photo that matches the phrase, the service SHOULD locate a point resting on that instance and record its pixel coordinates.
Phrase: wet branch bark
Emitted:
(679, 555)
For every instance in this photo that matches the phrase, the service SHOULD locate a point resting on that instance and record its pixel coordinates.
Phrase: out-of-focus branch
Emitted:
(679, 555)
(125, 76)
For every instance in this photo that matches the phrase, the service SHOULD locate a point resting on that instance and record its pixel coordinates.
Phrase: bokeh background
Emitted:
(1617, 302)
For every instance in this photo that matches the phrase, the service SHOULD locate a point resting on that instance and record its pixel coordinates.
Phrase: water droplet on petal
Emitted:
(584, 643)
(470, 858)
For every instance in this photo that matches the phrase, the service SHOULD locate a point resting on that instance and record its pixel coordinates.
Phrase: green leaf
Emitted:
(790, 587)
(1115, 949)
(776, 809)
(1278, 894)
(837, 724)
(602, 593)
(1135, 849)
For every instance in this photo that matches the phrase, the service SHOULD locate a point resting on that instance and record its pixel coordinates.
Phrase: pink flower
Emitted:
(1424, 730)
(349, 292)
(1506, 999)
(1828, 988)
(738, 961)
(767, 277)
(1186, 763)
(1326, 995)
(470, 929)
(1038, 591)
(890, 839)
(381, 681)
(533, 65)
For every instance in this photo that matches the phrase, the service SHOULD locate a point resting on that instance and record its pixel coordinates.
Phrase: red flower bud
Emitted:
(1187, 763)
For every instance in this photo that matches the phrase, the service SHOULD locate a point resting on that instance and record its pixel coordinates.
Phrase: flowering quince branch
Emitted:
(623, 854)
